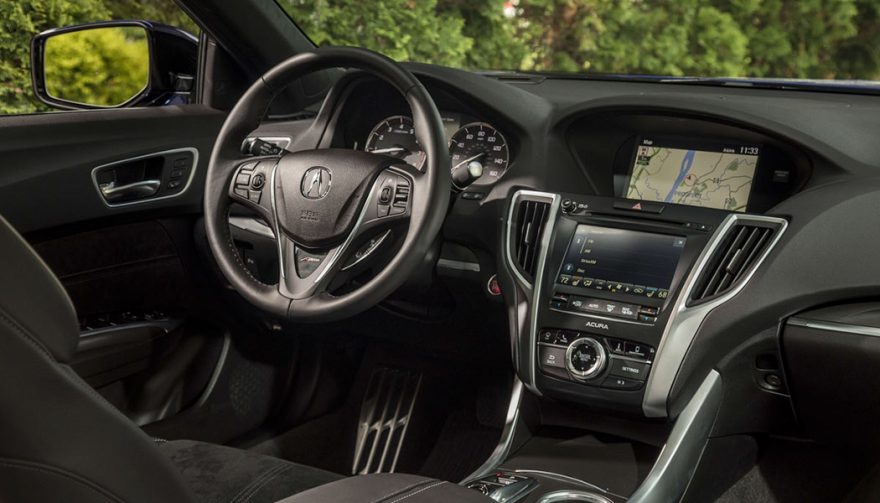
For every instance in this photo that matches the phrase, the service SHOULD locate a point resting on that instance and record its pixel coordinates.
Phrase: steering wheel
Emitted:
(328, 207)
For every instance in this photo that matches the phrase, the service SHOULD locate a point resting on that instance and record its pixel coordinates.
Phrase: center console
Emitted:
(610, 291)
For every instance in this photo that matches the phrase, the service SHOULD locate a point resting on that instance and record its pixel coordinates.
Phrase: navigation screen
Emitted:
(711, 175)
(621, 261)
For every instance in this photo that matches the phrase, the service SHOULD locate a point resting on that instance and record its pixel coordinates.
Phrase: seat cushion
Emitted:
(217, 474)
(389, 488)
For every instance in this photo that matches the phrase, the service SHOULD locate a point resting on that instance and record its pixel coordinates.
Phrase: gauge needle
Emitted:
(389, 150)
(469, 159)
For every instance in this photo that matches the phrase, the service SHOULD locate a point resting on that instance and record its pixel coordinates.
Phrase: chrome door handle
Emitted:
(136, 190)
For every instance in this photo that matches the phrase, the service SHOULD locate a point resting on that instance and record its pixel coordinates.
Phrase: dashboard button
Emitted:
(626, 368)
(552, 357)
(640, 206)
(622, 383)
(565, 338)
(636, 350)
(616, 346)
(547, 336)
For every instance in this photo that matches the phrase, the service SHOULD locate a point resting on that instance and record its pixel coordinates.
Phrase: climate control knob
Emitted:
(585, 358)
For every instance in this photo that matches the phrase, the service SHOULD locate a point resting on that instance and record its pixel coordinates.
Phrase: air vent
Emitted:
(740, 249)
(530, 222)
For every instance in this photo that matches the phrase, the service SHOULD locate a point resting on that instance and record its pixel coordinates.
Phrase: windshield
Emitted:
(779, 39)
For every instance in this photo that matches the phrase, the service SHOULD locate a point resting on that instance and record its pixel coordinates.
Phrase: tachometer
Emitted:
(396, 136)
(479, 142)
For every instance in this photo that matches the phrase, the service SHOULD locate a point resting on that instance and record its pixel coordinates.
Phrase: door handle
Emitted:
(136, 190)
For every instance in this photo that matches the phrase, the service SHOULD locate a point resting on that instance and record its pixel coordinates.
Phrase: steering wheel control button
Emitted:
(258, 181)
(585, 358)
(627, 368)
(622, 383)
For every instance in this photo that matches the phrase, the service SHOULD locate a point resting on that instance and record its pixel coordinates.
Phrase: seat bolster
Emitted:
(33, 304)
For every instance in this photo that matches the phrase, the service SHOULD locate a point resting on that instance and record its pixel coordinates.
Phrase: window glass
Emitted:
(777, 39)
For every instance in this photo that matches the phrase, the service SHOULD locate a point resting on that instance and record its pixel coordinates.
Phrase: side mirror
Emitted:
(114, 64)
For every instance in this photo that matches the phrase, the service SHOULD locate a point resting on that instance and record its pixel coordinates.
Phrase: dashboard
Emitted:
(641, 233)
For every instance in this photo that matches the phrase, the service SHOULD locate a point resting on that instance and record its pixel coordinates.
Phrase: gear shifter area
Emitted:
(504, 487)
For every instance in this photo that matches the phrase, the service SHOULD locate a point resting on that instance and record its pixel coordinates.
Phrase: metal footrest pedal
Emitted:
(385, 416)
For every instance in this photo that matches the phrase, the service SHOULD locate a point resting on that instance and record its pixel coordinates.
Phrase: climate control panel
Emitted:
(593, 360)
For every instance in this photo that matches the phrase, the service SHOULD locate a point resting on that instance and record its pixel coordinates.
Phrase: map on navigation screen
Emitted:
(712, 176)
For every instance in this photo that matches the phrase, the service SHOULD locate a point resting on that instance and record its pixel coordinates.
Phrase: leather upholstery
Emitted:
(389, 488)
(59, 440)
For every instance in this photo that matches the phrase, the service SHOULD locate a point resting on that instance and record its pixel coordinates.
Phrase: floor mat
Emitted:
(797, 471)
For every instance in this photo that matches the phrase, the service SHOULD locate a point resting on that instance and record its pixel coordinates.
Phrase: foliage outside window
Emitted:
(815, 39)
(20, 20)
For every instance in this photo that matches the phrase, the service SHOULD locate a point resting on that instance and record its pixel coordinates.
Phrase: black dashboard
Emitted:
(642, 233)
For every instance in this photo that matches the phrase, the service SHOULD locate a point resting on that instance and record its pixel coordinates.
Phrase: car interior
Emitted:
(283, 272)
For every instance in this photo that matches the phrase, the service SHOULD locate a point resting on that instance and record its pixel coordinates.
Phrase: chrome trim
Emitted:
(684, 322)
(218, 371)
(458, 265)
(603, 318)
(599, 366)
(505, 442)
(533, 296)
(192, 173)
(671, 474)
(564, 478)
(833, 326)
(369, 252)
(566, 496)
(252, 225)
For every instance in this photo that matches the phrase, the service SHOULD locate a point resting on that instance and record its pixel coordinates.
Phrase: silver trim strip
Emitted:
(505, 442)
(567, 496)
(669, 477)
(252, 225)
(684, 322)
(533, 296)
(833, 326)
(458, 265)
(192, 173)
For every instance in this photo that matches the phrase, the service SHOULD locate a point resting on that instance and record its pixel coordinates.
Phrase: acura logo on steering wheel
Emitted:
(316, 183)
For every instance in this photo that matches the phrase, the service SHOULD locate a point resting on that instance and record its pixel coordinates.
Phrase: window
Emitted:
(20, 20)
(773, 39)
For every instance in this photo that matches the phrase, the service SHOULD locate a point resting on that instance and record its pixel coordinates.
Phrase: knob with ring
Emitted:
(585, 358)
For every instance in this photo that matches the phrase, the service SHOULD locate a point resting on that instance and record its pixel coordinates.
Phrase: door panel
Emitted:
(46, 175)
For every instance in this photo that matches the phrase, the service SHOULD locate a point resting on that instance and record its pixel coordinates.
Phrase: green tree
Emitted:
(21, 21)
(402, 29)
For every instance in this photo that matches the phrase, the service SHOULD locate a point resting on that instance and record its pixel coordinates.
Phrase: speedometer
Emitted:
(396, 136)
(479, 142)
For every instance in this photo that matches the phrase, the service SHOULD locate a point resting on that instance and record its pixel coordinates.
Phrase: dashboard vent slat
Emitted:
(530, 223)
(738, 253)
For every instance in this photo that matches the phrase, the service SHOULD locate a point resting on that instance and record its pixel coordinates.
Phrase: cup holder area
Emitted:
(573, 497)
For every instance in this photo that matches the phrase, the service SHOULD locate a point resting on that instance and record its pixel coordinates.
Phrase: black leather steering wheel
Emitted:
(324, 204)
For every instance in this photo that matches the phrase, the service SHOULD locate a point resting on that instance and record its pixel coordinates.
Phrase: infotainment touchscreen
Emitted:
(621, 261)
(714, 175)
